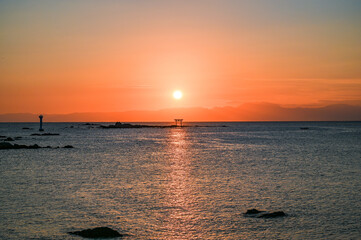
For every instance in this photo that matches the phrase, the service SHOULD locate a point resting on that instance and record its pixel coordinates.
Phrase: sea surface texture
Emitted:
(183, 183)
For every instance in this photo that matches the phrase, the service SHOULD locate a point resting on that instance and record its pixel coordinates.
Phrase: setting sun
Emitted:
(177, 94)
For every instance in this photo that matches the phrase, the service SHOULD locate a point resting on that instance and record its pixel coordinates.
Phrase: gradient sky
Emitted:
(107, 56)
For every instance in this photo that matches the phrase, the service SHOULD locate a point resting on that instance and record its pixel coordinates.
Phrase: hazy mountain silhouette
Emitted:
(244, 112)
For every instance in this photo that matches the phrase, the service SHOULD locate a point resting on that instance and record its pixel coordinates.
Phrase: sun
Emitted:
(177, 94)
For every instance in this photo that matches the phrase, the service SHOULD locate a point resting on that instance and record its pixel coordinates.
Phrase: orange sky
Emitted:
(109, 56)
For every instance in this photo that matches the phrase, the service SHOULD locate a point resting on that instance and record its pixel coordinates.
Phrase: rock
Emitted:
(90, 124)
(26, 128)
(263, 214)
(2, 136)
(68, 146)
(98, 232)
(9, 139)
(252, 211)
(304, 128)
(45, 134)
(35, 146)
(6, 145)
(128, 125)
(272, 215)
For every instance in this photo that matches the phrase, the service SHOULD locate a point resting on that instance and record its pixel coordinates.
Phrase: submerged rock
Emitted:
(9, 139)
(98, 232)
(273, 215)
(26, 128)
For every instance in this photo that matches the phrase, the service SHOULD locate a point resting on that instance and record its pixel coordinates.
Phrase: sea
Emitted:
(194, 182)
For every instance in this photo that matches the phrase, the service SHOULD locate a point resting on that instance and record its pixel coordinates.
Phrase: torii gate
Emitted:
(178, 122)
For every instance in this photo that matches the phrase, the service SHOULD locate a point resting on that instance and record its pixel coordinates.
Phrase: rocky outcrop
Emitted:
(9, 139)
(128, 125)
(68, 146)
(253, 211)
(6, 145)
(124, 125)
(98, 232)
(263, 214)
(272, 215)
(45, 134)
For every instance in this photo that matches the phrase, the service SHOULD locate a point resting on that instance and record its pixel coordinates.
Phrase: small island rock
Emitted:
(253, 211)
(273, 215)
(68, 146)
(98, 232)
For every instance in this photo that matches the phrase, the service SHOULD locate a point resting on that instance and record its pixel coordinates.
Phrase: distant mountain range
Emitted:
(244, 112)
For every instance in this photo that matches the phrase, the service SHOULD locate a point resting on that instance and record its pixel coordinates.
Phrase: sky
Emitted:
(60, 57)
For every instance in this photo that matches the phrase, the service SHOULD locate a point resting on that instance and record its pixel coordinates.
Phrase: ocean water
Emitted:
(184, 183)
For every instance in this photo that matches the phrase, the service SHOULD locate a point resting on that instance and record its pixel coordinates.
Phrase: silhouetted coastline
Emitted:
(128, 125)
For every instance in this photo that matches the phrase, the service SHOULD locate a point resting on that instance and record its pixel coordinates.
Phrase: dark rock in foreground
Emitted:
(98, 232)
(262, 214)
(252, 211)
(45, 134)
(9, 139)
(272, 215)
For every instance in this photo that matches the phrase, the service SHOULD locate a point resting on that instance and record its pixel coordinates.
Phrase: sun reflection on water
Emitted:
(183, 217)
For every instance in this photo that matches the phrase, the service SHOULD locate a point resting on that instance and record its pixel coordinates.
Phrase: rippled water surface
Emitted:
(184, 183)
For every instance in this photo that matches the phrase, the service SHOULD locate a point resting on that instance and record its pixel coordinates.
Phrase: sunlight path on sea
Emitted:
(181, 198)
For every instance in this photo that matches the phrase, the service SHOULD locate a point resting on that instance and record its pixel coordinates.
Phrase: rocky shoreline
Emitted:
(6, 145)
